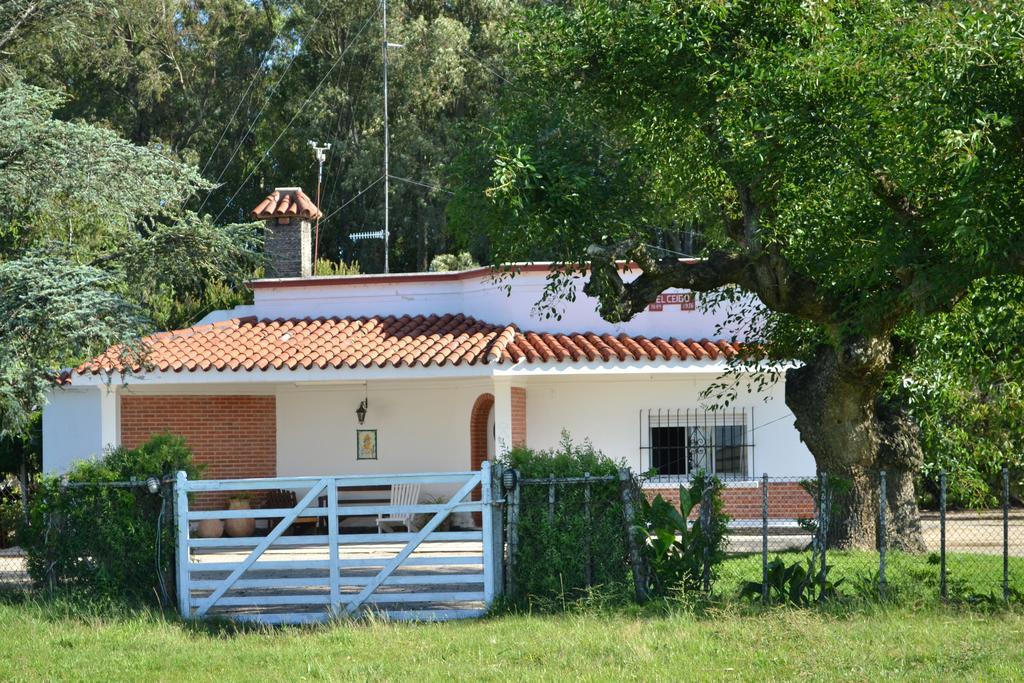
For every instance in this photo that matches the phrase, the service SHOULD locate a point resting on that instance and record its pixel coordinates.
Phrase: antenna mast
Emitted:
(321, 156)
(387, 147)
(384, 234)
(387, 140)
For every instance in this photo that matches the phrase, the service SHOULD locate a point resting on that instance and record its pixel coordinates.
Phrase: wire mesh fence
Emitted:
(564, 536)
(111, 539)
(858, 542)
(13, 566)
(798, 540)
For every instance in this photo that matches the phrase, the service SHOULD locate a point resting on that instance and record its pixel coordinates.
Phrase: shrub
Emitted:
(679, 550)
(552, 557)
(793, 584)
(10, 515)
(106, 541)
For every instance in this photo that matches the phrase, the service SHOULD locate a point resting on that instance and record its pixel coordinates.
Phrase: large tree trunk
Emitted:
(853, 436)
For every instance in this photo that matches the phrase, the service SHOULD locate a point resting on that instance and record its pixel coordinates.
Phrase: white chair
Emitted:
(401, 494)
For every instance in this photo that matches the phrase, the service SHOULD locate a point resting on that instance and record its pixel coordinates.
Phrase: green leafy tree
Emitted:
(966, 389)
(855, 166)
(238, 88)
(91, 245)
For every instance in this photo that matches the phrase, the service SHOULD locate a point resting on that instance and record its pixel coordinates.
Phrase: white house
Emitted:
(421, 372)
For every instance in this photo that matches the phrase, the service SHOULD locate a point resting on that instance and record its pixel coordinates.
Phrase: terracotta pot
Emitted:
(239, 527)
(210, 528)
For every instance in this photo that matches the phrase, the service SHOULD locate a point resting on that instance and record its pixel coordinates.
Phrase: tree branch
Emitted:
(768, 275)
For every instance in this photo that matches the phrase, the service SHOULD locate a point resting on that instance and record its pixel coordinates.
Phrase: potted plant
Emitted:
(210, 528)
(244, 526)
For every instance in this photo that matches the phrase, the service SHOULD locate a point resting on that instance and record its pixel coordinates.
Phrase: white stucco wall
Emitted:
(78, 423)
(510, 301)
(608, 412)
(421, 427)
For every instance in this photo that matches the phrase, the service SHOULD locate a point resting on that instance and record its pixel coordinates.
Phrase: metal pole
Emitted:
(764, 538)
(387, 148)
(705, 525)
(590, 530)
(825, 512)
(1006, 535)
(551, 499)
(943, 590)
(513, 534)
(882, 497)
(321, 156)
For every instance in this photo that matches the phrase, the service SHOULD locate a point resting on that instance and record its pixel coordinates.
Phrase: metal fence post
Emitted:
(589, 567)
(882, 497)
(943, 590)
(498, 498)
(764, 539)
(825, 512)
(513, 534)
(551, 499)
(629, 520)
(1006, 535)
(705, 526)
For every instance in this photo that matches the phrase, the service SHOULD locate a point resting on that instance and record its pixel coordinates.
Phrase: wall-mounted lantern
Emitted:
(361, 410)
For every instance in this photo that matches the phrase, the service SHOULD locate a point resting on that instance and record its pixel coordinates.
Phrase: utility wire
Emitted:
(300, 110)
(754, 429)
(670, 251)
(479, 61)
(360, 194)
(421, 184)
(259, 114)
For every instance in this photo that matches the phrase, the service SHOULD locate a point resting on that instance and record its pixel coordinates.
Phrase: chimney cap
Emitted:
(286, 202)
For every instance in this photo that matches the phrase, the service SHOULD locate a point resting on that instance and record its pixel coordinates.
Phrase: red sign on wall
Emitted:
(687, 301)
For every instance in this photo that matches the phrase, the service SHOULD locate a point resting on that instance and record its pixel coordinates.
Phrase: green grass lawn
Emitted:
(911, 579)
(50, 642)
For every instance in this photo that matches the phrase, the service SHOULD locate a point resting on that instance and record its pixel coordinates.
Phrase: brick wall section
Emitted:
(786, 500)
(287, 247)
(478, 430)
(518, 416)
(234, 436)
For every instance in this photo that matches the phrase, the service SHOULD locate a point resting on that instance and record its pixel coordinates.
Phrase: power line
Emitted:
(670, 251)
(770, 422)
(416, 182)
(479, 61)
(360, 194)
(231, 119)
(301, 108)
(259, 114)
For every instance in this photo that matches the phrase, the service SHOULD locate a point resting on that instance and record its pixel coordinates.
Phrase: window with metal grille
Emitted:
(679, 443)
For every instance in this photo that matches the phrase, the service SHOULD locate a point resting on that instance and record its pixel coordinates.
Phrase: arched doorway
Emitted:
(481, 431)
(481, 439)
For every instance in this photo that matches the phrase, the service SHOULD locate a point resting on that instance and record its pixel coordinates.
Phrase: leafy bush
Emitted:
(552, 557)
(676, 548)
(446, 263)
(107, 541)
(796, 584)
(10, 515)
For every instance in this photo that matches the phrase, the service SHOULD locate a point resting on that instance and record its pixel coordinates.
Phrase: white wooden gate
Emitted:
(424, 574)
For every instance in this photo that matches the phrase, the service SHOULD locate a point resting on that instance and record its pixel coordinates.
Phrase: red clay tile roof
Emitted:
(409, 341)
(286, 203)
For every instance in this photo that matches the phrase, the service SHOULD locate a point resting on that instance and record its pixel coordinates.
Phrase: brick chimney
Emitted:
(287, 215)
